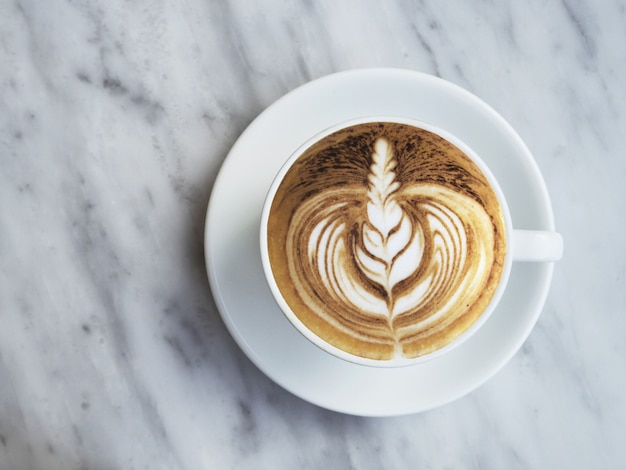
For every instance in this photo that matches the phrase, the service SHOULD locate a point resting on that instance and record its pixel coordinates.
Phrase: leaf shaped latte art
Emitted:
(390, 268)
(392, 247)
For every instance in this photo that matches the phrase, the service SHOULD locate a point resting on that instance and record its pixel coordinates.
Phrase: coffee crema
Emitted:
(386, 240)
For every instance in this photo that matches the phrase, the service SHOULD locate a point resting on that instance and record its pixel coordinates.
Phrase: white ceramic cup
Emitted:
(522, 245)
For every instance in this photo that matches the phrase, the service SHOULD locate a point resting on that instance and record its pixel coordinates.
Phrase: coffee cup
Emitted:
(387, 241)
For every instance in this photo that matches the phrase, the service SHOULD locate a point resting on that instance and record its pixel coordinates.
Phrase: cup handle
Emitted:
(537, 245)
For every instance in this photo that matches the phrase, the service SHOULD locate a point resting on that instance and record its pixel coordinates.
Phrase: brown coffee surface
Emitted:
(386, 240)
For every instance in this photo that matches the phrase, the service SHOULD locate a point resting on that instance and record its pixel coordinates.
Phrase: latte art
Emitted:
(385, 240)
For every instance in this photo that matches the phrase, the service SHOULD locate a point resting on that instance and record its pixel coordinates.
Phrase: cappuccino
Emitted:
(386, 240)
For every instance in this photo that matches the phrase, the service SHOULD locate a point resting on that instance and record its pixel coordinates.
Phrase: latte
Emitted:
(386, 240)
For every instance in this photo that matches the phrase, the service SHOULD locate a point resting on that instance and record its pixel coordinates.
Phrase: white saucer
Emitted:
(233, 259)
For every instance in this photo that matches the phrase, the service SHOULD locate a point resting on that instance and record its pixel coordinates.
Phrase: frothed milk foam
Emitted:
(386, 240)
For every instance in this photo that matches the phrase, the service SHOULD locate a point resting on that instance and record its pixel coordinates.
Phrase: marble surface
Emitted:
(115, 117)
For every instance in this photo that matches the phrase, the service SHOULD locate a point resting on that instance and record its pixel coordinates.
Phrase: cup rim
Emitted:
(295, 320)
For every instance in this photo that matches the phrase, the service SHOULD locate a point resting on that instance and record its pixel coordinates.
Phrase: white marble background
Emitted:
(114, 119)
